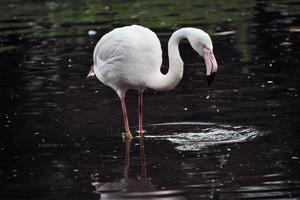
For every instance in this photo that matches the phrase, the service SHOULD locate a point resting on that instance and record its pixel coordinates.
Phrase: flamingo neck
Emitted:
(165, 82)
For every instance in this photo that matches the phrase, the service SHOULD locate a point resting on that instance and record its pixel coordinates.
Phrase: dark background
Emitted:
(57, 128)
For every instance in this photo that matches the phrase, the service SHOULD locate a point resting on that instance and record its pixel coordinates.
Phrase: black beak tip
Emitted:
(210, 78)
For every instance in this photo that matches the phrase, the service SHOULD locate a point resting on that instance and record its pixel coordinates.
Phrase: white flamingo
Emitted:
(130, 57)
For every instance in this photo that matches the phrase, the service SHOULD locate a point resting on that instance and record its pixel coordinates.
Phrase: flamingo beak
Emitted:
(91, 73)
(211, 65)
(210, 78)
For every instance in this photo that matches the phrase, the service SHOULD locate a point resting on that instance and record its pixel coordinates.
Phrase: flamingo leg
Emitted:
(140, 108)
(127, 134)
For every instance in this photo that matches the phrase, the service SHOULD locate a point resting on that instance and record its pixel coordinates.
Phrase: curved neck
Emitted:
(161, 82)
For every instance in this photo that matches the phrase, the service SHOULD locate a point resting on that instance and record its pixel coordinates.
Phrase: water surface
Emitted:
(61, 133)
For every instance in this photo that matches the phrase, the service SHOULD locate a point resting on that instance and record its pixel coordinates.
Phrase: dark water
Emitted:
(61, 133)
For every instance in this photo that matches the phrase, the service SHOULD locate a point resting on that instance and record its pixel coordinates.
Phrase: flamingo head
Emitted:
(202, 44)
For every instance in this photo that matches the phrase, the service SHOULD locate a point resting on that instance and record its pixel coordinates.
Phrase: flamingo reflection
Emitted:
(134, 188)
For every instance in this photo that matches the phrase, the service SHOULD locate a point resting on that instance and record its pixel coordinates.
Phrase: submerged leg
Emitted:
(127, 134)
(143, 160)
(127, 159)
(140, 108)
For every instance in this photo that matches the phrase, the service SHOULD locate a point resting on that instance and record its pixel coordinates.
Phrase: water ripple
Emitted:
(198, 135)
(135, 189)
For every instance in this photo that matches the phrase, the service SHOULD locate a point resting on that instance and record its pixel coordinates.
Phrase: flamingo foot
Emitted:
(126, 136)
(141, 132)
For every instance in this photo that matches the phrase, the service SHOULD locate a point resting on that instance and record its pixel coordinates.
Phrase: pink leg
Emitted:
(140, 102)
(124, 110)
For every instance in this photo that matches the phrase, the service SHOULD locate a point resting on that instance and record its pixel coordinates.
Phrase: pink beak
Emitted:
(211, 65)
(91, 73)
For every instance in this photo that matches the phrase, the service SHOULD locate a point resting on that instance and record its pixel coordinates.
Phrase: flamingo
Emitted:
(130, 57)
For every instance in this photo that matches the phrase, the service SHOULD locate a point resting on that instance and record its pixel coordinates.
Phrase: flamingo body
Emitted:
(126, 57)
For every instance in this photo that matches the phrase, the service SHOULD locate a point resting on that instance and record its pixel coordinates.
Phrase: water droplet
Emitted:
(285, 43)
(96, 184)
(92, 32)
(225, 33)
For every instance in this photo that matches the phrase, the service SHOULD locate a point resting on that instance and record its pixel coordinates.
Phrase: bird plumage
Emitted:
(126, 57)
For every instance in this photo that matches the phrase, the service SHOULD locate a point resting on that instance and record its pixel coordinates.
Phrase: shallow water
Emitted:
(61, 133)
(194, 136)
